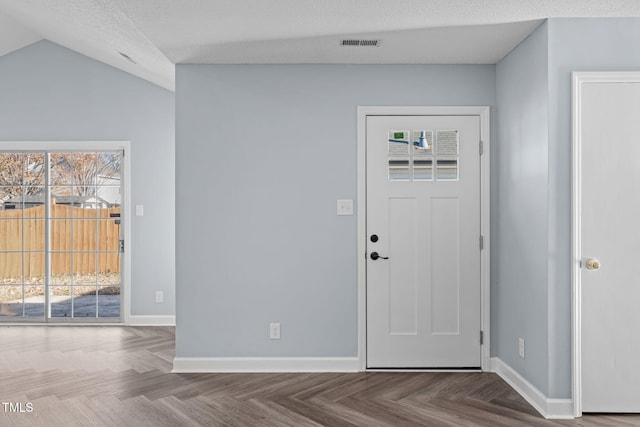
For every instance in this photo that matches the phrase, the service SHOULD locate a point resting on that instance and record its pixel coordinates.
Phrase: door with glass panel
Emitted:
(60, 234)
(423, 251)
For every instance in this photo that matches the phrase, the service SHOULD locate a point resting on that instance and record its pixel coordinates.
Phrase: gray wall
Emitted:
(574, 45)
(519, 251)
(262, 154)
(48, 92)
(532, 277)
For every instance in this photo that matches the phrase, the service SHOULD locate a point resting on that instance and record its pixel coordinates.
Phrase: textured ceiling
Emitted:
(159, 33)
(14, 35)
(484, 44)
(98, 29)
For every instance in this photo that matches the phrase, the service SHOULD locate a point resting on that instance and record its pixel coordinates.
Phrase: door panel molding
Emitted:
(125, 146)
(483, 112)
(579, 79)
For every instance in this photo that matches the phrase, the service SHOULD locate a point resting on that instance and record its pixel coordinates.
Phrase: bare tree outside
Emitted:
(21, 173)
(75, 174)
(83, 171)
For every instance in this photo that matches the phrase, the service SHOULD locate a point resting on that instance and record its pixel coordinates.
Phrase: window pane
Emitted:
(447, 170)
(10, 268)
(62, 200)
(108, 234)
(422, 170)
(447, 142)
(109, 268)
(109, 301)
(12, 167)
(34, 268)
(10, 233)
(78, 169)
(60, 297)
(61, 268)
(398, 169)
(108, 170)
(11, 197)
(34, 297)
(61, 235)
(33, 202)
(108, 196)
(34, 234)
(33, 170)
(84, 235)
(84, 268)
(85, 170)
(398, 142)
(84, 301)
(422, 142)
(62, 168)
(85, 203)
(11, 301)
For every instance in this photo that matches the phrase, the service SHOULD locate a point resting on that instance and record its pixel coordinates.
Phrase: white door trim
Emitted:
(125, 146)
(483, 113)
(578, 79)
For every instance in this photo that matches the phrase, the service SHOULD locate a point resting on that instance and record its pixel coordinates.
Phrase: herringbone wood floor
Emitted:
(119, 376)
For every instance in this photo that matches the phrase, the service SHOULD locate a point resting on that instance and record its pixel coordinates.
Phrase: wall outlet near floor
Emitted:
(159, 296)
(274, 331)
(521, 347)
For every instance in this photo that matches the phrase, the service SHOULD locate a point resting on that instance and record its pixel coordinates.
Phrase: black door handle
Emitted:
(375, 256)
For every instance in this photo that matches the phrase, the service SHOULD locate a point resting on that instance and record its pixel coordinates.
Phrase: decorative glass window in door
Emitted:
(413, 154)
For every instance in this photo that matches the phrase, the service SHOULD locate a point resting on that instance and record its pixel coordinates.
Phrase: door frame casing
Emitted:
(125, 146)
(579, 78)
(484, 113)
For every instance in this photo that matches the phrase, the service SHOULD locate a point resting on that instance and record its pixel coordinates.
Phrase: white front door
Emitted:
(423, 241)
(609, 251)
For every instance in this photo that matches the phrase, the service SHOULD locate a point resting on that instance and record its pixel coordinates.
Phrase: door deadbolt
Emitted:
(374, 238)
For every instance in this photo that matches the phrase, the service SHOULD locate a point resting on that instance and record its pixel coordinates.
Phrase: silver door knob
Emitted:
(592, 264)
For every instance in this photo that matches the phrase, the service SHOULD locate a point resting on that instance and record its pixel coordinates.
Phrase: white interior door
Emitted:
(423, 241)
(610, 228)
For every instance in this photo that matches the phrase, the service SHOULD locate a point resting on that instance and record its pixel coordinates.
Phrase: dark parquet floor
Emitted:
(120, 376)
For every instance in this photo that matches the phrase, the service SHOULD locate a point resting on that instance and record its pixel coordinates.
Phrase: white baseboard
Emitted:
(265, 364)
(151, 320)
(548, 408)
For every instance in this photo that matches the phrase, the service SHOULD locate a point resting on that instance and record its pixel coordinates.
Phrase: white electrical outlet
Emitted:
(159, 296)
(274, 331)
(521, 347)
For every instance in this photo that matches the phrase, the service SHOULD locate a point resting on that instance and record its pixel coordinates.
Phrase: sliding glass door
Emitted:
(60, 236)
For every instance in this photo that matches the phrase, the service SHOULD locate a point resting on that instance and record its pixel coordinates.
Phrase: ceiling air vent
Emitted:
(354, 42)
(127, 57)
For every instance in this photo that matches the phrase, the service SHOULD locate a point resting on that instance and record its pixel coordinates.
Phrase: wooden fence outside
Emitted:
(89, 237)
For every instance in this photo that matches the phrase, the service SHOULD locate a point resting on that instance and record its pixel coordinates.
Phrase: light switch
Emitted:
(345, 207)
(139, 210)
(274, 331)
